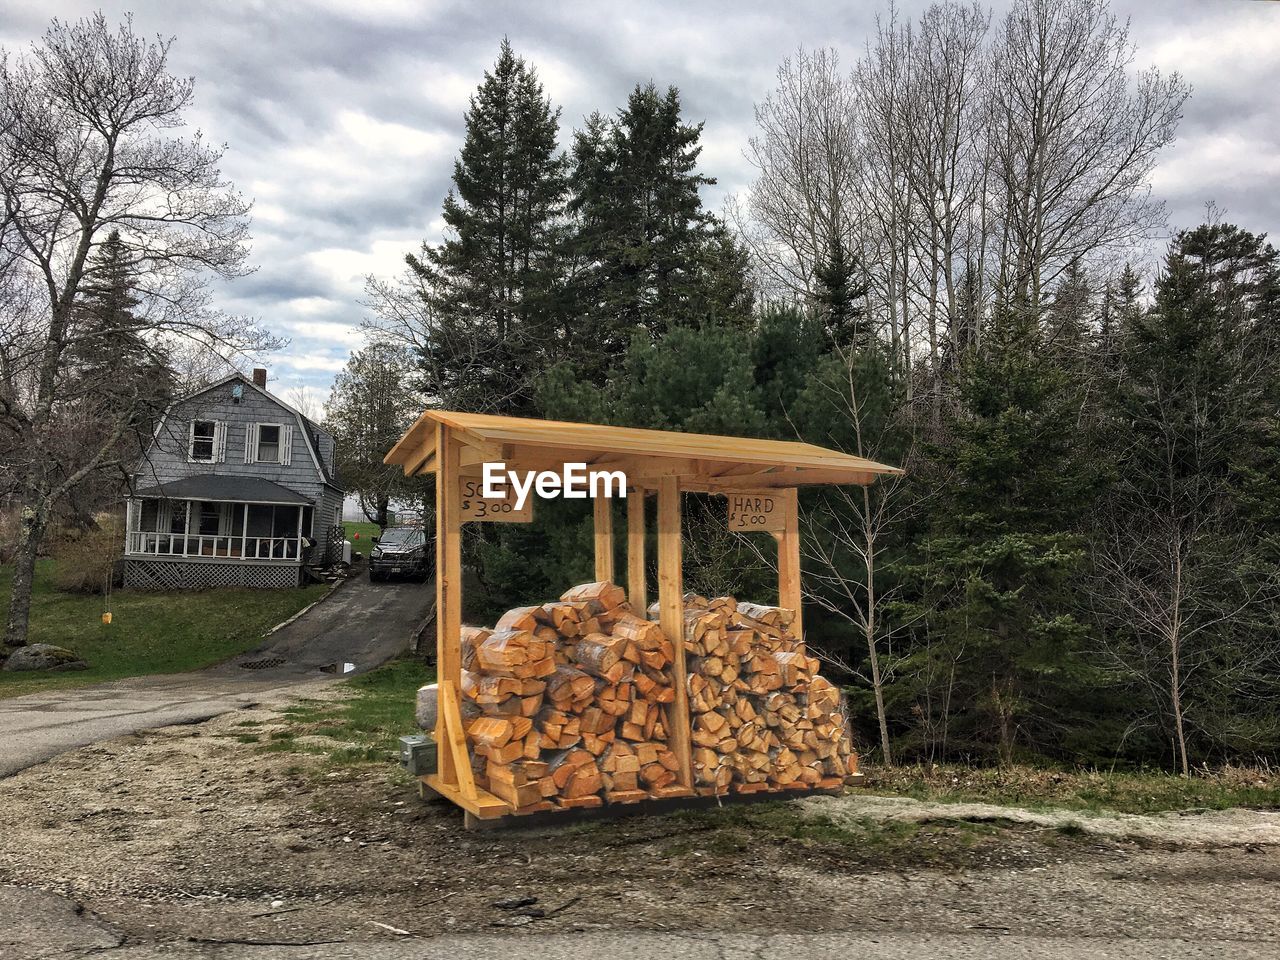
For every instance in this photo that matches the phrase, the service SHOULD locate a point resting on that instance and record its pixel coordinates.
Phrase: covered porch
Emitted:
(233, 519)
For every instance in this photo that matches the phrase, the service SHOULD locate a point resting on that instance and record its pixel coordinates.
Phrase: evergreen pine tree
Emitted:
(1189, 522)
(992, 579)
(117, 366)
(648, 257)
(838, 298)
(492, 286)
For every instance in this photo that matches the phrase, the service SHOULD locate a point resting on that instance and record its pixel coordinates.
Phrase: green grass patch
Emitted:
(1086, 790)
(368, 723)
(149, 633)
(367, 531)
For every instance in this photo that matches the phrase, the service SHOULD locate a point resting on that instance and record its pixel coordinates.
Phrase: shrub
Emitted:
(8, 533)
(85, 562)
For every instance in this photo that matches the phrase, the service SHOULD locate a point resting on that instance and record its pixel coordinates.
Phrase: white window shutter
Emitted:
(286, 444)
(220, 442)
(191, 441)
(250, 441)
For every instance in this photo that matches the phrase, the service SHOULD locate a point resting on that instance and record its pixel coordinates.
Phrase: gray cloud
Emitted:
(342, 120)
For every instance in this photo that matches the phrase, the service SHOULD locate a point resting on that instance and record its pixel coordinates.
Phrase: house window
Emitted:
(210, 514)
(268, 443)
(203, 433)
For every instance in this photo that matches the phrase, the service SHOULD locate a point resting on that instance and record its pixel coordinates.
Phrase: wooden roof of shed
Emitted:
(705, 461)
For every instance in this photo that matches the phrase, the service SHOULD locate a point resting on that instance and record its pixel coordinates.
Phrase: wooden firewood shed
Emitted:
(753, 474)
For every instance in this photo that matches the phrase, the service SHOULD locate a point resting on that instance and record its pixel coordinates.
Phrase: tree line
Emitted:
(937, 264)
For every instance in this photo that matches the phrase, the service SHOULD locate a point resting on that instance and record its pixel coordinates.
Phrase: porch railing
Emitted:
(194, 545)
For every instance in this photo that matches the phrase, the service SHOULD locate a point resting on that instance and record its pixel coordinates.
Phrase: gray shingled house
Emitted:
(236, 489)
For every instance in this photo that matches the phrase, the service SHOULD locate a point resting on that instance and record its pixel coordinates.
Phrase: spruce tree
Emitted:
(991, 581)
(838, 296)
(116, 366)
(1189, 524)
(492, 286)
(648, 256)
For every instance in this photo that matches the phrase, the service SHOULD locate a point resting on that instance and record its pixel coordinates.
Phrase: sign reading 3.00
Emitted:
(752, 511)
(475, 506)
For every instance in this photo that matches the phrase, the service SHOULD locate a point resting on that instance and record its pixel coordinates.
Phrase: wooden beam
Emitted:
(419, 458)
(789, 589)
(530, 458)
(480, 453)
(739, 469)
(603, 508)
(636, 590)
(671, 619)
(448, 590)
(455, 743)
(781, 478)
(485, 806)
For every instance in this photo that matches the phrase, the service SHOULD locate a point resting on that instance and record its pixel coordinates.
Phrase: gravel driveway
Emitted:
(361, 623)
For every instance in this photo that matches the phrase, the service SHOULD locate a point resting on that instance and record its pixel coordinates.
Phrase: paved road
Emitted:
(36, 925)
(360, 623)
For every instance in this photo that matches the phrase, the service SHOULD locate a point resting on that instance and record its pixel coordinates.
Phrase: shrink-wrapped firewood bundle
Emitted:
(566, 704)
(762, 717)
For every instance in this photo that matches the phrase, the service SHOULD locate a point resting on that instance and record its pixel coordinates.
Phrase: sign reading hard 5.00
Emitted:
(752, 511)
(501, 509)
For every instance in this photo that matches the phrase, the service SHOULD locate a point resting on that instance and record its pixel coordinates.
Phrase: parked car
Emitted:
(399, 551)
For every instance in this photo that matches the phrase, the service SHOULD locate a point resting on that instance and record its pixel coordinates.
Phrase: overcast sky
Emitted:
(342, 118)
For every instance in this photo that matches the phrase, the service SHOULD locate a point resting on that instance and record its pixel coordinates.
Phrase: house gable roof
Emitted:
(307, 428)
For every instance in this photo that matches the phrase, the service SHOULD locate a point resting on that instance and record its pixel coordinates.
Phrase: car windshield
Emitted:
(402, 538)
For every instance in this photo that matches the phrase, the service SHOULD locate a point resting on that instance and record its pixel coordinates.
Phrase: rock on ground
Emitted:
(44, 656)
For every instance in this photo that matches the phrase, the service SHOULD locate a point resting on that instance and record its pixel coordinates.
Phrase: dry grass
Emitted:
(1124, 792)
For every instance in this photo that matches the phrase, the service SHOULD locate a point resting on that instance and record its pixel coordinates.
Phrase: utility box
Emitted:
(418, 755)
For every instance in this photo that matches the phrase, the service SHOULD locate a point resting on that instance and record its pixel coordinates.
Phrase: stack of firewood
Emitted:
(565, 704)
(762, 717)
(568, 704)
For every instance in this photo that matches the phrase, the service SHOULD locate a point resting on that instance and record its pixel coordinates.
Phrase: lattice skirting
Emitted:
(333, 549)
(150, 574)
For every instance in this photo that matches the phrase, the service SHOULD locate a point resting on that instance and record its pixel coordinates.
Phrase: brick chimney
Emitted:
(260, 377)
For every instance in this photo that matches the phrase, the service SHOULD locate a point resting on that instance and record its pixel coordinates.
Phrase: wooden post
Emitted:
(128, 524)
(789, 592)
(671, 618)
(603, 508)
(636, 590)
(448, 591)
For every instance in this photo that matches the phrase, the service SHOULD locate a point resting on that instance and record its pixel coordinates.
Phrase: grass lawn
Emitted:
(365, 726)
(367, 532)
(149, 632)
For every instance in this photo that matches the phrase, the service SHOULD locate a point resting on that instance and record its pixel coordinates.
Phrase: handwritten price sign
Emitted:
(750, 511)
(501, 510)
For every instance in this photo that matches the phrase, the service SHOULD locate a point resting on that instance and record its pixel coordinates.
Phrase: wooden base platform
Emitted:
(676, 798)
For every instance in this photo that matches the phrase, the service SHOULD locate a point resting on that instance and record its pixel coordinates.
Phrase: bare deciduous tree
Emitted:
(88, 146)
(805, 156)
(856, 525)
(1075, 136)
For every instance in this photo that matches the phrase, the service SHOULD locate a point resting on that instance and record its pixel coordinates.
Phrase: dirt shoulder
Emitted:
(191, 833)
